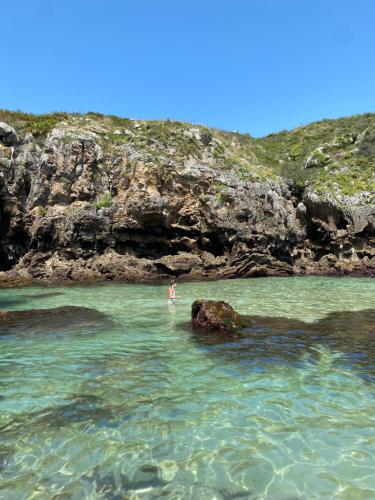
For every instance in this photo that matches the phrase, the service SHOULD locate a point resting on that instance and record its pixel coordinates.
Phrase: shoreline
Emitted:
(22, 282)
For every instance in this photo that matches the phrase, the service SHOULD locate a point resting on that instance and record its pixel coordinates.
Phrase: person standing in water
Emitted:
(172, 292)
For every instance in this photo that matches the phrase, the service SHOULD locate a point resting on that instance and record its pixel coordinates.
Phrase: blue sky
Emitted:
(256, 66)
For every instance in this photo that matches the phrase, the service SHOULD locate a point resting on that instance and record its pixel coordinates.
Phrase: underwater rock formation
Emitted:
(350, 332)
(51, 320)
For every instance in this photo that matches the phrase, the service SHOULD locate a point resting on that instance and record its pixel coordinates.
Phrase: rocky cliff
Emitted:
(93, 197)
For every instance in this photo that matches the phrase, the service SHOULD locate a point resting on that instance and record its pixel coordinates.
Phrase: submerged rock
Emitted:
(51, 320)
(19, 299)
(351, 333)
(341, 336)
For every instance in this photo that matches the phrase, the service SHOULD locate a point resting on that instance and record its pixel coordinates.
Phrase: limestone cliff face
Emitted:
(96, 200)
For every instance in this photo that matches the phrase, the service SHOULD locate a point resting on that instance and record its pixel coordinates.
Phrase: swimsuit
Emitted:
(172, 297)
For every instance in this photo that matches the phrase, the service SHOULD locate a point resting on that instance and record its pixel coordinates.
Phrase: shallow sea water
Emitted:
(139, 406)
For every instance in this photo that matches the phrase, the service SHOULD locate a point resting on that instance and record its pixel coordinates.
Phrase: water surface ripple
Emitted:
(133, 404)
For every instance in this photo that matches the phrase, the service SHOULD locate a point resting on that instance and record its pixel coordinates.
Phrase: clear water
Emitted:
(145, 408)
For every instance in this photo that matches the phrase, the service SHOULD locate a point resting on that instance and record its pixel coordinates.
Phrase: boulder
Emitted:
(318, 158)
(8, 136)
(214, 315)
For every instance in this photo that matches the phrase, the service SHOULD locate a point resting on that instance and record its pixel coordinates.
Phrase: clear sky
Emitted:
(255, 66)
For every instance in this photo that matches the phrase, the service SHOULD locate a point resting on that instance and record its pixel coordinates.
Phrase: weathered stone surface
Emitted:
(214, 315)
(8, 136)
(78, 206)
(317, 158)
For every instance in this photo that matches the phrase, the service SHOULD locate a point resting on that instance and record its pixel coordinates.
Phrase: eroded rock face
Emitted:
(8, 136)
(78, 205)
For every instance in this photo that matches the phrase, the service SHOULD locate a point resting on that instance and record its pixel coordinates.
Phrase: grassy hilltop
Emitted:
(335, 157)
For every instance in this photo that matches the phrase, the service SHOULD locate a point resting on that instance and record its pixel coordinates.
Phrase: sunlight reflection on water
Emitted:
(144, 407)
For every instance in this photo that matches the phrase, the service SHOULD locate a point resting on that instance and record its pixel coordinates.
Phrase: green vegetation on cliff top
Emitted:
(330, 156)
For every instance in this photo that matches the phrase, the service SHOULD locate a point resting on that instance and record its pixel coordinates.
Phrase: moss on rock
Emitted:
(211, 315)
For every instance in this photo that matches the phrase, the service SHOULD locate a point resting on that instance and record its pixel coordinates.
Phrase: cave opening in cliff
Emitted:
(214, 243)
(317, 233)
(148, 250)
(367, 233)
(282, 252)
(5, 262)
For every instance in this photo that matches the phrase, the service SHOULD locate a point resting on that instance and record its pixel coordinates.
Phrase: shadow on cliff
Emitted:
(350, 334)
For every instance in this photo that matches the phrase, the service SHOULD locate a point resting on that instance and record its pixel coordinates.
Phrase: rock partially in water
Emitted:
(286, 340)
(219, 316)
(51, 320)
(12, 279)
(216, 315)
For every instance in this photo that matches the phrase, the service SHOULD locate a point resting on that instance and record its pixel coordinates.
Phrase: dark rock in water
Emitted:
(6, 453)
(19, 299)
(11, 301)
(219, 316)
(54, 319)
(78, 408)
(283, 340)
(216, 315)
(111, 486)
(46, 295)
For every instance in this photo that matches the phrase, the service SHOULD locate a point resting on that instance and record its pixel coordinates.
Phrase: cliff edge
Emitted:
(93, 197)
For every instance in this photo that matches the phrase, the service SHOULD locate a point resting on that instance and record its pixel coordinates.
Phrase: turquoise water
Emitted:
(136, 405)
